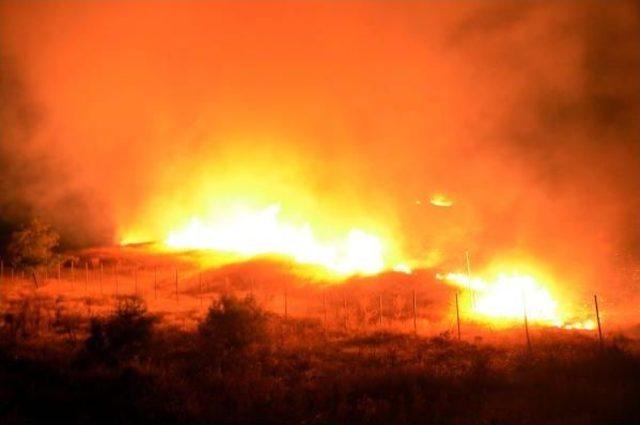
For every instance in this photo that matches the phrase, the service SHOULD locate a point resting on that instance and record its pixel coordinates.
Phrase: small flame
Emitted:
(588, 324)
(402, 268)
(440, 200)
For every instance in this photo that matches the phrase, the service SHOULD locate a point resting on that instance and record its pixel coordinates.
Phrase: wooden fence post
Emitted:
(324, 310)
(155, 282)
(526, 323)
(595, 299)
(458, 315)
(471, 290)
(286, 306)
(415, 315)
(177, 296)
(345, 311)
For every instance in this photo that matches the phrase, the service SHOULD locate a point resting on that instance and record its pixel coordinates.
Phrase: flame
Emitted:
(506, 298)
(588, 324)
(402, 268)
(258, 232)
(440, 200)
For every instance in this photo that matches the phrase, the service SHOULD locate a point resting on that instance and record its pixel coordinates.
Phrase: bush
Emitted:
(233, 324)
(124, 335)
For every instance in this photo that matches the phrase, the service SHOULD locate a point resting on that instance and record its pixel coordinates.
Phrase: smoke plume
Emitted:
(525, 115)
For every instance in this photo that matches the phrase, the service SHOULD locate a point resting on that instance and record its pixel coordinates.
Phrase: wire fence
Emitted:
(183, 291)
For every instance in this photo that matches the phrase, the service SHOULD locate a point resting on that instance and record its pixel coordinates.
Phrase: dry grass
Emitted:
(62, 360)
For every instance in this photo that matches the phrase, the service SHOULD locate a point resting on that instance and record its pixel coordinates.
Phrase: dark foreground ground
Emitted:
(245, 366)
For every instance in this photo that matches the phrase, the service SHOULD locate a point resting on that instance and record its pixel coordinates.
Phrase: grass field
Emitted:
(250, 343)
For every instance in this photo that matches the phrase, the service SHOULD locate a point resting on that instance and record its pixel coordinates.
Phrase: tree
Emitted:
(33, 244)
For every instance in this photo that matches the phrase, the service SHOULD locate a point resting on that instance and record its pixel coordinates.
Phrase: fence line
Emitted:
(347, 312)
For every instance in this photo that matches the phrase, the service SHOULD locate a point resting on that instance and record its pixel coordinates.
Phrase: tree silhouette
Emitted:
(32, 245)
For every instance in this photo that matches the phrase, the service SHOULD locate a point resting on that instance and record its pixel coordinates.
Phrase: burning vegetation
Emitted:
(320, 212)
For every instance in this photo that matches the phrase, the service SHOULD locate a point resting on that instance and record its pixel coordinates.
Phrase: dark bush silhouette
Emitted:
(233, 324)
(124, 335)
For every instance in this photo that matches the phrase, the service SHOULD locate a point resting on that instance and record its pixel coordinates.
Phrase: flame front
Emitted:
(259, 232)
(509, 297)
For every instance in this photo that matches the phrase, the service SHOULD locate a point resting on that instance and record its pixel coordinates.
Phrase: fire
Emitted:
(507, 298)
(440, 200)
(241, 205)
(249, 232)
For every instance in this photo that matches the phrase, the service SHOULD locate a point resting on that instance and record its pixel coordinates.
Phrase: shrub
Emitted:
(233, 324)
(124, 335)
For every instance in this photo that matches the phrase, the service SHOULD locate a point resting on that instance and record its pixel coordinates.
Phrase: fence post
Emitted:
(177, 296)
(286, 307)
(35, 278)
(380, 310)
(471, 290)
(458, 315)
(526, 323)
(346, 313)
(415, 314)
(155, 282)
(595, 299)
(324, 310)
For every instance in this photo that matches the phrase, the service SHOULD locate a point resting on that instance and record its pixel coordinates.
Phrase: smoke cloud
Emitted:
(525, 115)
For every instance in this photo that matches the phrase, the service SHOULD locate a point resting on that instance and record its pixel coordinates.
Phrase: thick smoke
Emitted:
(526, 115)
(32, 182)
(573, 127)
